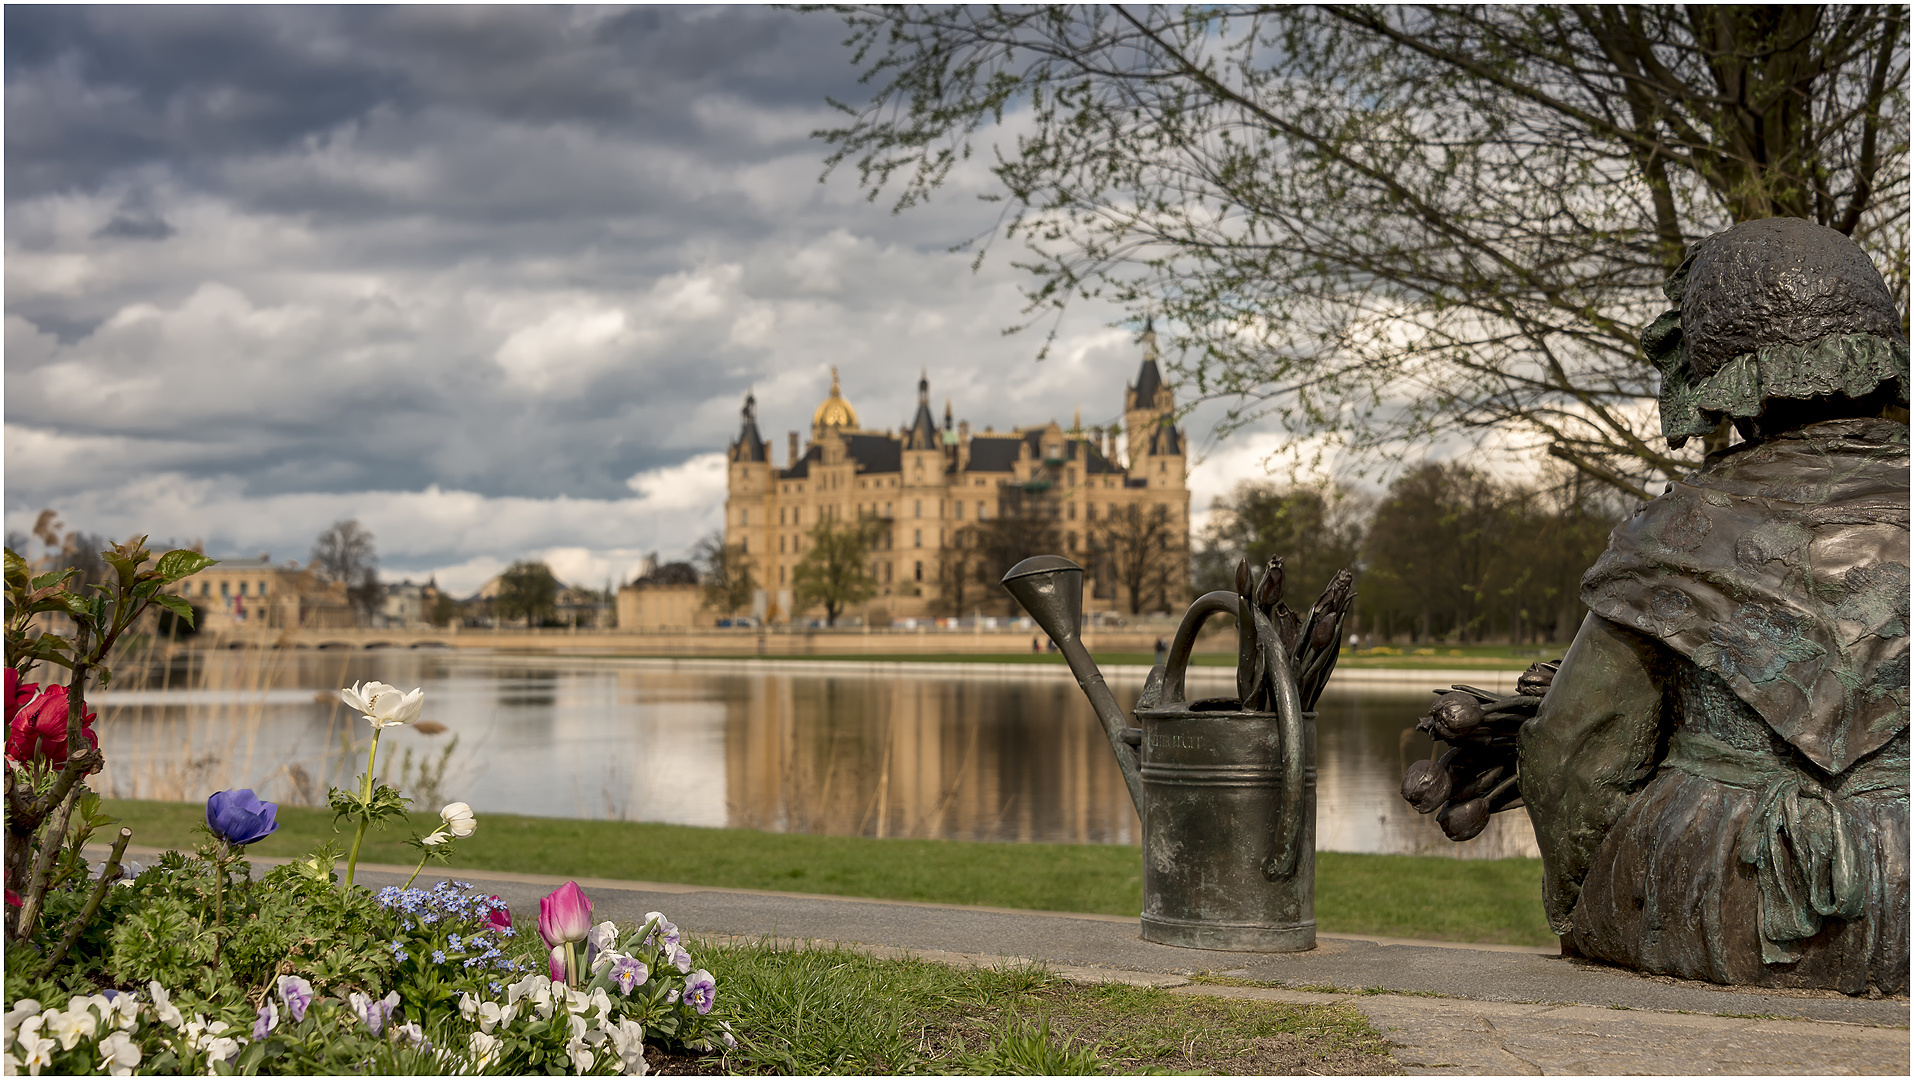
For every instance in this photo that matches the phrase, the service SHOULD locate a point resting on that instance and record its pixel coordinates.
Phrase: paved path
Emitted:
(1499, 1010)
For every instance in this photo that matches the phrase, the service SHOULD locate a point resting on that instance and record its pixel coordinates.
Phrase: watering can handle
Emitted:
(1287, 830)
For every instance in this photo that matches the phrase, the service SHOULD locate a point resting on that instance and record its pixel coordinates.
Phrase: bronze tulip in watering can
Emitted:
(1225, 787)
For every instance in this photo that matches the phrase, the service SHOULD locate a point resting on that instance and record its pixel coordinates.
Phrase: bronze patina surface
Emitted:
(1718, 777)
(1225, 787)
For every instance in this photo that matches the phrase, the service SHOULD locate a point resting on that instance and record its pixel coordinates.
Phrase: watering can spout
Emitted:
(1050, 588)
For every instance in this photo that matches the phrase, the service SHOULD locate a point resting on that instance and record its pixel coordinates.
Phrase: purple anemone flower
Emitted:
(297, 994)
(239, 817)
(629, 974)
(701, 990)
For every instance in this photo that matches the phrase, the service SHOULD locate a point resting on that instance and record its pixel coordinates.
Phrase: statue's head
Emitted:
(1778, 323)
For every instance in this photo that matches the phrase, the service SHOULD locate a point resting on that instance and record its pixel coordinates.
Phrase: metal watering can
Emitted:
(1225, 787)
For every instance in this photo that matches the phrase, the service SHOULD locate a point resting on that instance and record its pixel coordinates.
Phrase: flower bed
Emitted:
(193, 965)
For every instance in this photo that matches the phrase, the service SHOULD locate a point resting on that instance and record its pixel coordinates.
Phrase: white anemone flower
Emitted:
(490, 1015)
(484, 1049)
(36, 1052)
(163, 1007)
(222, 1049)
(382, 704)
(119, 1053)
(22, 1008)
(70, 1026)
(628, 1038)
(125, 1012)
(458, 819)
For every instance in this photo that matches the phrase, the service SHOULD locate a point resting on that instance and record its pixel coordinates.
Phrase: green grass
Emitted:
(1493, 901)
(1487, 657)
(828, 1010)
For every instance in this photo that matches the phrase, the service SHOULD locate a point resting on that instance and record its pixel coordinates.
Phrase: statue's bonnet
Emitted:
(1774, 309)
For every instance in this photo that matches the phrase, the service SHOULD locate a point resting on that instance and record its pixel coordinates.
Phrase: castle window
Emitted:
(1089, 511)
(262, 588)
(980, 511)
(780, 575)
(959, 507)
(920, 571)
(225, 588)
(744, 545)
(920, 508)
(1073, 511)
(920, 541)
(887, 509)
(744, 517)
(1072, 541)
(780, 545)
(242, 588)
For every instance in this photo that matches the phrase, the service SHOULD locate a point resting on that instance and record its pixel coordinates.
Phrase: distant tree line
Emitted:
(1448, 553)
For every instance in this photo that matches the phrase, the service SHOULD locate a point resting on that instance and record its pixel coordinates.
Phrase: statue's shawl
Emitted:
(1782, 566)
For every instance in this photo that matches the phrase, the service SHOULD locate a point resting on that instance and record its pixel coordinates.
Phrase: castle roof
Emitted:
(1165, 439)
(835, 411)
(750, 445)
(922, 433)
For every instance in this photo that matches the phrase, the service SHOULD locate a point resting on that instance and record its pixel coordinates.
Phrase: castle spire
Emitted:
(922, 433)
(750, 444)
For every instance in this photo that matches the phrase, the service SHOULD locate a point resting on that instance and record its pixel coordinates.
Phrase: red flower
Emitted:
(36, 722)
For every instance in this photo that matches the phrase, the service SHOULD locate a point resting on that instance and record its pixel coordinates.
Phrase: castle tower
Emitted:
(835, 412)
(922, 433)
(750, 446)
(1148, 404)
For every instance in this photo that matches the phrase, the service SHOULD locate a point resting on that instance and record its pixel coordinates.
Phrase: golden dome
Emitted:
(835, 412)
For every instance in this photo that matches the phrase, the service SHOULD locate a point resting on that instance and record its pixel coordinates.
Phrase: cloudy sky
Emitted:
(493, 281)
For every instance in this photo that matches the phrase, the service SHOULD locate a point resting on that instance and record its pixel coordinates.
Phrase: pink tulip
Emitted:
(565, 915)
(556, 965)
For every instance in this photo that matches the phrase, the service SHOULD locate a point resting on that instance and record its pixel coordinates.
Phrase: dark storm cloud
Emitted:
(93, 91)
(494, 278)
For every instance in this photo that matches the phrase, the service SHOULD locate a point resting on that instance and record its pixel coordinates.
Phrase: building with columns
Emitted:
(951, 502)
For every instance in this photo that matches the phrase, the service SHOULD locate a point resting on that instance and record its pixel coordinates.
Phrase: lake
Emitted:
(1014, 757)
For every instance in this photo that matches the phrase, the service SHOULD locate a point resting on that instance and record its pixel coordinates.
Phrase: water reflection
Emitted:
(969, 758)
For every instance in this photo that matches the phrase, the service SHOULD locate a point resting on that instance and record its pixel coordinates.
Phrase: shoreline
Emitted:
(1206, 675)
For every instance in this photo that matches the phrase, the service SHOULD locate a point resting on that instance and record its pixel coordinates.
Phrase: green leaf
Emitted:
(121, 562)
(177, 605)
(181, 562)
(52, 577)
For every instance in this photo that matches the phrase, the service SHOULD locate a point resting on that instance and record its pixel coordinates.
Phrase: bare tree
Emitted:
(1382, 224)
(1139, 548)
(1317, 531)
(971, 573)
(729, 584)
(344, 554)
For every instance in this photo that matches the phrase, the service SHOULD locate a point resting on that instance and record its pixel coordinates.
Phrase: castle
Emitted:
(950, 504)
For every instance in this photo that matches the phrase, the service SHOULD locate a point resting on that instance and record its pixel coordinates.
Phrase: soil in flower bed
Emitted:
(662, 1062)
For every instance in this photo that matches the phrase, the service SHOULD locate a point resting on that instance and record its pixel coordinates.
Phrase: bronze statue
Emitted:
(1718, 774)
